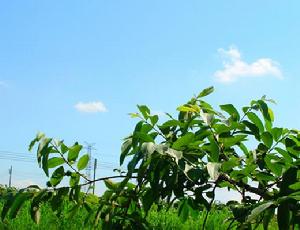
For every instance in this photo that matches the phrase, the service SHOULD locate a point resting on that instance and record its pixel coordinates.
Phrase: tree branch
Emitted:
(248, 188)
(106, 178)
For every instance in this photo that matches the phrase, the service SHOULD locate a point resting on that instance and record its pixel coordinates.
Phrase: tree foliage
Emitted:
(181, 161)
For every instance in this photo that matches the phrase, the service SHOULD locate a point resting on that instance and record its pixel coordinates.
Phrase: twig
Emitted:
(105, 178)
(258, 191)
(210, 204)
(68, 163)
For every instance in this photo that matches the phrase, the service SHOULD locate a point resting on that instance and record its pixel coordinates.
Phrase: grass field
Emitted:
(158, 219)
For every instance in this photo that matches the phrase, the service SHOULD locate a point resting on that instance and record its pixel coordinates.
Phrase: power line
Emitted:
(99, 165)
(30, 154)
(9, 155)
(20, 155)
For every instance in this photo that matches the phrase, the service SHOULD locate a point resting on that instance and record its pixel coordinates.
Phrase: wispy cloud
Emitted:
(235, 67)
(91, 107)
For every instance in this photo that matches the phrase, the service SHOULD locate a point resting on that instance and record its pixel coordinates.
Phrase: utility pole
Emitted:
(95, 167)
(9, 172)
(89, 147)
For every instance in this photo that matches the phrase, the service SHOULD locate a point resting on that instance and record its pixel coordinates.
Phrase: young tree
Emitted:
(182, 160)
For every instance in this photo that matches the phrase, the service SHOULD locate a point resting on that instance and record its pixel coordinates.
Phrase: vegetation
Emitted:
(162, 219)
(178, 164)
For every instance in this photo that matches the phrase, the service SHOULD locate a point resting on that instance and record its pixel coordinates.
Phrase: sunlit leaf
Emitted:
(83, 162)
(55, 161)
(206, 92)
(74, 152)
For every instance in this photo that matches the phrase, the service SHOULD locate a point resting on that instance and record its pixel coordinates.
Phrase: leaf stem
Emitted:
(68, 163)
(210, 204)
(106, 178)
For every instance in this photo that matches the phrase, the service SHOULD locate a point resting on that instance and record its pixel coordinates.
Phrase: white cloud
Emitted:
(91, 107)
(235, 67)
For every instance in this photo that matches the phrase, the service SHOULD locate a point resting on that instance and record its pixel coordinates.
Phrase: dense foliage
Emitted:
(180, 163)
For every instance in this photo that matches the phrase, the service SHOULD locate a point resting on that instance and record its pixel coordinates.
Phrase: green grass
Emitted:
(217, 220)
(48, 220)
(170, 220)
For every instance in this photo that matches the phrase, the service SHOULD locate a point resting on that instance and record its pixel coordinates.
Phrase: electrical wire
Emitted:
(21, 157)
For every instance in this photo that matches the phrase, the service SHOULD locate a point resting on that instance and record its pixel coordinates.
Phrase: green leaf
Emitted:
(264, 109)
(253, 128)
(268, 216)
(57, 176)
(189, 108)
(110, 184)
(212, 149)
(271, 114)
(126, 146)
(135, 115)
(206, 92)
(9, 199)
(273, 165)
(154, 119)
(35, 205)
(142, 137)
(276, 133)
(170, 123)
(144, 110)
(38, 137)
(259, 210)
(230, 164)
(83, 162)
(231, 110)
(147, 199)
(289, 177)
(285, 154)
(92, 199)
(146, 128)
(74, 180)
(295, 186)
(283, 216)
(63, 148)
(183, 210)
(43, 148)
(244, 149)
(19, 200)
(255, 119)
(267, 139)
(74, 152)
(231, 141)
(45, 162)
(264, 98)
(183, 141)
(55, 161)
(57, 200)
(263, 176)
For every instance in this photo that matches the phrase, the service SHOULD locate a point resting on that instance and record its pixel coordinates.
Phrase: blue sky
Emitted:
(113, 55)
